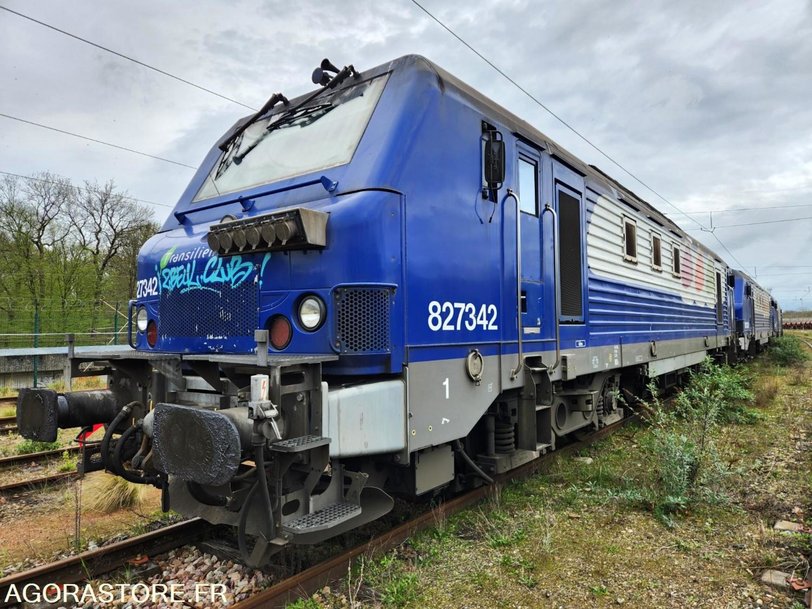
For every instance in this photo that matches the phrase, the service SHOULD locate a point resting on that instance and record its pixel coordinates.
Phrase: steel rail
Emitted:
(36, 483)
(309, 581)
(93, 563)
(45, 454)
(105, 559)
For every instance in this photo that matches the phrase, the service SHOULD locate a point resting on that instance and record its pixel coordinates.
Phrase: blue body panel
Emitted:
(408, 212)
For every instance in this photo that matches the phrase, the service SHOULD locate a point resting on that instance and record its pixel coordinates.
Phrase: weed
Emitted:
(27, 447)
(527, 580)
(506, 538)
(67, 463)
(682, 442)
(304, 603)
(400, 590)
(112, 493)
(766, 390)
(787, 351)
(58, 385)
(715, 394)
(799, 377)
(599, 591)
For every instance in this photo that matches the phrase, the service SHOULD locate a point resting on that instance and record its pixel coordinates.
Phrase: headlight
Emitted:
(141, 319)
(311, 312)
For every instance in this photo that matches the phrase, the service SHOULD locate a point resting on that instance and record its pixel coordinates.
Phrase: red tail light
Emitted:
(152, 333)
(281, 332)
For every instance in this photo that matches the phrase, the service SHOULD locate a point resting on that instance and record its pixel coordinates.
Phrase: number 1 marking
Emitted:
(447, 387)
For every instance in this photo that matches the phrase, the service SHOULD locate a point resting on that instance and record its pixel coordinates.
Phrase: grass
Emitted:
(26, 447)
(111, 493)
(787, 350)
(67, 463)
(682, 518)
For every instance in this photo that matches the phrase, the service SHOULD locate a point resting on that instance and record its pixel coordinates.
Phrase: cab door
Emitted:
(568, 193)
(528, 171)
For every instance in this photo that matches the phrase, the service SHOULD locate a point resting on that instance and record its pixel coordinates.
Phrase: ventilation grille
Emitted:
(362, 319)
(221, 313)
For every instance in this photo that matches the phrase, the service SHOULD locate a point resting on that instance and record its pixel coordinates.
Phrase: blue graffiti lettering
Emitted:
(217, 272)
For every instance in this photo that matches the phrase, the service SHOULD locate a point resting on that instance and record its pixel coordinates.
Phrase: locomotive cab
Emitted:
(390, 286)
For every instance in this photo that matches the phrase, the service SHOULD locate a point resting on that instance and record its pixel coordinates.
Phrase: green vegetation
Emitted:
(682, 441)
(664, 514)
(69, 257)
(26, 447)
(787, 350)
(67, 463)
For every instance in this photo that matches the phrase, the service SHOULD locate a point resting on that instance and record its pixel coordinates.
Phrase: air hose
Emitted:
(108, 435)
(261, 484)
(128, 474)
(471, 463)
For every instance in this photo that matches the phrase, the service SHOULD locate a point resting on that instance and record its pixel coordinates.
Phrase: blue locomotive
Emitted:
(390, 286)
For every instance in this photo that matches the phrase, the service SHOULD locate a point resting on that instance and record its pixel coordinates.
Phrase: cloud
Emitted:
(707, 102)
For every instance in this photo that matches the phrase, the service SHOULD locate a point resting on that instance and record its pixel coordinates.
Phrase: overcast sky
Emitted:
(709, 103)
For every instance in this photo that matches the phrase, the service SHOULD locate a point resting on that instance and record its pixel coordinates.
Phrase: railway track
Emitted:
(93, 563)
(45, 454)
(309, 581)
(37, 483)
(8, 424)
(106, 559)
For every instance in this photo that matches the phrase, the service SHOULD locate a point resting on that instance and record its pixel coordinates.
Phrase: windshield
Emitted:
(322, 134)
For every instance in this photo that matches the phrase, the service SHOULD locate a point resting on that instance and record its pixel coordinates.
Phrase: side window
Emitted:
(629, 240)
(656, 252)
(676, 267)
(528, 185)
(569, 248)
(718, 297)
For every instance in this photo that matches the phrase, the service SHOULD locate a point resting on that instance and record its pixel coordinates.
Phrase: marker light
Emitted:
(225, 241)
(281, 332)
(311, 313)
(141, 319)
(152, 333)
(268, 233)
(239, 238)
(252, 236)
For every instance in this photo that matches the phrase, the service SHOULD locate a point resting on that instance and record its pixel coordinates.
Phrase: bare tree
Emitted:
(104, 221)
(32, 221)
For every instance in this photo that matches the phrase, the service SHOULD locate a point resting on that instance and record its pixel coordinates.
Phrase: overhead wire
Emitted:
(17, 175)
(752, 223)
(128, 58)
(738, 209)
(568, 125)
(97, 141)
(551, 112)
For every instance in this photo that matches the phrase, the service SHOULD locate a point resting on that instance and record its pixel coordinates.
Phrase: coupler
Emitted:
(42, 412)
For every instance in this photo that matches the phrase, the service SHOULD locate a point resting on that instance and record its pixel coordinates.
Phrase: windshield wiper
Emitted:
(301, 116)
(272, 101)
(319, 77)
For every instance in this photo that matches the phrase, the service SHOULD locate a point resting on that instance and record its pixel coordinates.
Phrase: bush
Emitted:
(787, 351)
(26, 447)
(682, 441)
(716, 395)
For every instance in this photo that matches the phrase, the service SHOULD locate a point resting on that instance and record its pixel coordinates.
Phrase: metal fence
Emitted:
(26, 324)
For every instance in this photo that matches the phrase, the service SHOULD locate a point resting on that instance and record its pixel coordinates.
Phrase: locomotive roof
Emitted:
(528, 131)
